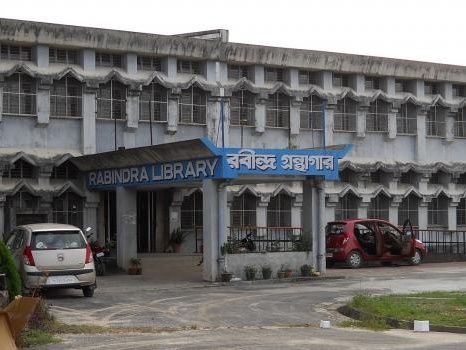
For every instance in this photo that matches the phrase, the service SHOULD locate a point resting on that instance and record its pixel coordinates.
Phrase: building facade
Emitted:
(68, 91)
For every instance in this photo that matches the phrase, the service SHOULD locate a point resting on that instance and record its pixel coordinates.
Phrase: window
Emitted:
(19, 95)
(378, 207)
(242, 108)
(377, 116)
(462, 179)
(461, 212)
(20, 169)
(457, 90)
(23, 201)
(192, 106)
(103, 59)
(459, 127)
(410, 178)
(312, 113)
(63, 56)
(347, 207)
(149, 63)
(437, 211)
(340, 80)
(188, 67)
(243, 210)
(345, 115)
(15, 52)
(68, 209)
(378, 176)
(401, 85)
(434, 178)
(66, 171)
(406, 119)
(278, 111)
(372, 83)
(273, 75)
(191, 211)
(66, 98)
(347, 175)
(435, 121)
(153, 103)
(430, 88)
(307, 77)
(111, 101)
(408, 209)
(237, 72)
(279, 211)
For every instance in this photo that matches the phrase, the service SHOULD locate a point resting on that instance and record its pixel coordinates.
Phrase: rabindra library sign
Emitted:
(224, 163)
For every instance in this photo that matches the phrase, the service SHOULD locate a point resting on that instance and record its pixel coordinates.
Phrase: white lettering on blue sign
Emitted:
(250, 160)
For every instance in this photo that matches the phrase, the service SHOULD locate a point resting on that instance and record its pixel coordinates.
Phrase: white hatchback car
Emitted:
(53, 256)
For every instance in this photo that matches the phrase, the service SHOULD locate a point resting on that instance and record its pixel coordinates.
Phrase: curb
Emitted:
(276, 280)
(394, 323)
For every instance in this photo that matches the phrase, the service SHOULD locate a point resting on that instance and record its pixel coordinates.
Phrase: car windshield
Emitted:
(335, 228)
(50, 240)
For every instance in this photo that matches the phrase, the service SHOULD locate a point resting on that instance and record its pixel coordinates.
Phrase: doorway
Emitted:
(146, 222)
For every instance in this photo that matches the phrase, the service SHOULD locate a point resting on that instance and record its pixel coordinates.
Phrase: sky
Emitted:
(427, 30)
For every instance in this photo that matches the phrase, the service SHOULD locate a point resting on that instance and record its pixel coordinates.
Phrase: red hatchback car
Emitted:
(356, 241)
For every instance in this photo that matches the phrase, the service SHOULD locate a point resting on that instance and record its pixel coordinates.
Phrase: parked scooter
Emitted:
(98, 253)
(247, 244)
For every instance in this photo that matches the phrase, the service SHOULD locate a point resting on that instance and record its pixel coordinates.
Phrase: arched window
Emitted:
(243, 210)
(193, 106)
(191, 211)
(242, 108)
(111, 100)
(435, 121)
(378, 207)
(347, 207)
(278, 111)
(20, 169)
(279, 211)
(409, 209)
(153, 102)
(461, 212)
(23, 201)
(68, 209)
(312, 113)
(377, 116)
(66, 97)
(437, 211)
(345, 115)
(459, 129)
(406, 119)
(410, 177)
(19, 95)
(66, 171)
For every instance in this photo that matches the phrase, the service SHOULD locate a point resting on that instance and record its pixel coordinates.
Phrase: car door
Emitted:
(15, 244)
(408, 239)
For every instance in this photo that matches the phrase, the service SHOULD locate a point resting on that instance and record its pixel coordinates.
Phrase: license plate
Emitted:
(52, 280)
(329, 255)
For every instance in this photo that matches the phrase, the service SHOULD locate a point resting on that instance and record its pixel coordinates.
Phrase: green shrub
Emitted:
(7, 266)
(250, 272)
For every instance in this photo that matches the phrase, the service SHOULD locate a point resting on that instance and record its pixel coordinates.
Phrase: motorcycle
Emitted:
(247, 244)
(98, 254)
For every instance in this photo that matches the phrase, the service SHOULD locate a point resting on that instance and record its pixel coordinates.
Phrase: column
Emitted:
(422, 212)
(2, 216)
(309, 216)
(363, 207)
(210, 216)
(173, 112)
(450, 125)
(1, 100)
(421, 135)
(296, 207)
(42, 56)
(332, 203)
(260, 113)
(131, 63)
(261, 210)
(392, 129)
(361, 113)
(169, 67)
(357, 83)
(393, 209)
(126, 226)
(88, 59)
(222, 225)
(293, 78)
(43, 178)
(295, 119)
(258, 75)
(452, 223)
(328, 120)
(89, 115)
(320, 232)
(43, 103)
(46, 205)
(214, 132)
(132, 118)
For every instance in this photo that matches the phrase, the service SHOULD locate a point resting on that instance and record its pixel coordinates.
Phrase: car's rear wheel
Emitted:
(416, 259)
(354, 259)
(88, 291)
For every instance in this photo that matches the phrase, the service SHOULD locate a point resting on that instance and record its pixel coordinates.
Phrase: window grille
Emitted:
(372, 83)
(66, 98)
(377, 176)
(19, 95)
(242, 108)
(406, 119)
(340, 80)
(191, 211)
(347, 207)
(23, 201)
(308, 77)
(243, 210)
(66, 171)
(410, 178)
(20, 169)
(111, 101)
(236, 72)
(346, 175)
(193, 106)
(435, 121)
(149, 63)
(188, 67)
(103, 59)
(409, 209)
(279, 211)
(457, 90)
(345, 115)
(157, 96)
(68, 209)
(311, 113)
(461, 212)
(278, 111)
(377, 116)
(430, 88)
(462, 179)
(437, 211)
(274, 75)
(15, 52)
(401, 85)
(378, 207)
(459, 128)
(435, 178)
(65, 56)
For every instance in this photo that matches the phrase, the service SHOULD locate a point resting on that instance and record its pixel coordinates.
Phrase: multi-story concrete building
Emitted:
(68, 91)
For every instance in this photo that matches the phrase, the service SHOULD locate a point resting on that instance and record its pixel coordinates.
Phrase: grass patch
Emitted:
(35, 337)
(440, 308)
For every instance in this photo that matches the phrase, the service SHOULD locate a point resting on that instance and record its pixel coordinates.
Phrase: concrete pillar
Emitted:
(296, 208)
(43, 178)
(393, 209)
(1, 101)
(211, 71)
(357, 83)
(42, 56)
(260, 113)
(222, 195)
(423, 181)
(388, 85)
(293, 78)
(2, 216)
(126, 225)
(132, 108)
(422, 212)
(169, 67)
(295, 118)
(173, 113)
(258, 74)
(421, 135)
(325, 80)
(43, 104)
(361, 113)
(309, 216)
(88, 127)
(328, 120)
(320, 232)
(449, 126)
(131, 63)
(392, 130)
(214, 132)
(416, 87)
(363, 207)
(261, 210)
(446, 90)
(88, 59)
(452, 219)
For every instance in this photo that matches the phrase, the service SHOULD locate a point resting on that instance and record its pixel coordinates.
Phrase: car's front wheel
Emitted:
(416, 259)
(88, 291)
(354, 259)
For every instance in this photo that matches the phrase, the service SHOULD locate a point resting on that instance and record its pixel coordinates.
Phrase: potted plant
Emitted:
(306, 270)
(135, 267)
(177, 237)
(288, 272)
(250, 272)
(266, 272)
(226, 276)
(281, 272)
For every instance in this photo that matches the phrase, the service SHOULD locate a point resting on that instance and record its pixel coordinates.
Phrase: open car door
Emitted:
(408, 239)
